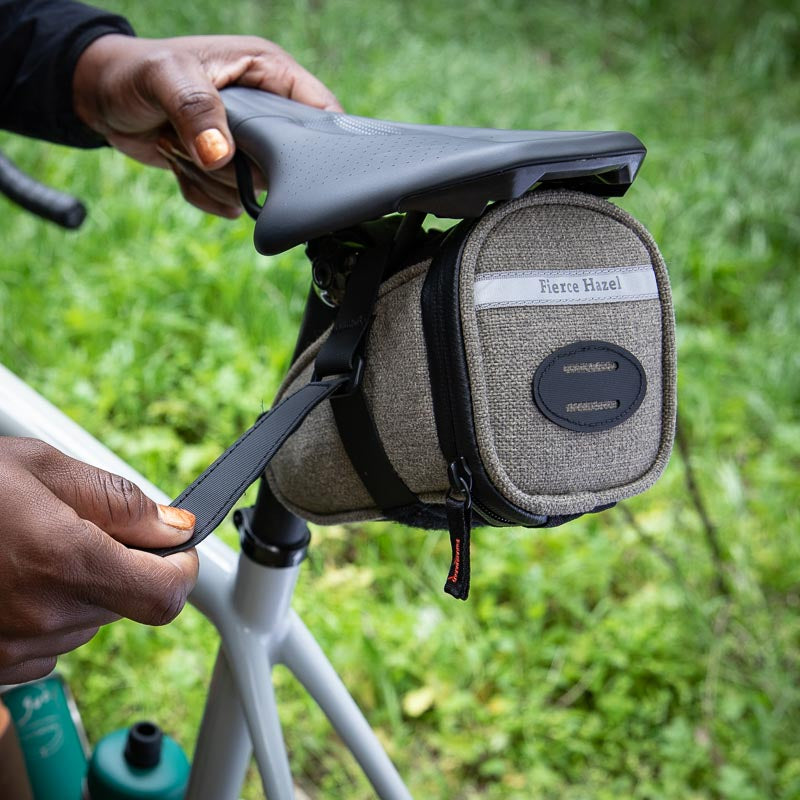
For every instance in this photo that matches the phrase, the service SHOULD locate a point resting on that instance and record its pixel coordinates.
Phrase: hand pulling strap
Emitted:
(213, 494)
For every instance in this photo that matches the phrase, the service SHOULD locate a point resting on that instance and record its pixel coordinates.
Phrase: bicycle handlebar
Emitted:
(45, 202)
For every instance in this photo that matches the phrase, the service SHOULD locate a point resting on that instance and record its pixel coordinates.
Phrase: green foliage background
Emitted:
(641, 653)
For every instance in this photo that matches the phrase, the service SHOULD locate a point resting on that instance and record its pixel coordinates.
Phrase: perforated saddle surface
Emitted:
(328, 171)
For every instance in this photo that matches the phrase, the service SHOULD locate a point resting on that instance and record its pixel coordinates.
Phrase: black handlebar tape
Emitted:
(50, 204)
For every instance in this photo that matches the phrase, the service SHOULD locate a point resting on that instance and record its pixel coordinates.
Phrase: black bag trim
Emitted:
(447, 363)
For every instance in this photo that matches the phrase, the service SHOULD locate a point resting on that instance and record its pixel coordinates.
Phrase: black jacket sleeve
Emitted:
(40, 43)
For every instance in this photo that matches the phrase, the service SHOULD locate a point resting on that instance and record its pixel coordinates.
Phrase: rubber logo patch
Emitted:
(589, 386)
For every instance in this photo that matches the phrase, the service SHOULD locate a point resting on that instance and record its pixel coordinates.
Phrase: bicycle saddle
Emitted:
(327, 171)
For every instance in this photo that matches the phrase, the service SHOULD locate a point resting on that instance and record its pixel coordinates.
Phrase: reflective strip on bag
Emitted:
(554, 287)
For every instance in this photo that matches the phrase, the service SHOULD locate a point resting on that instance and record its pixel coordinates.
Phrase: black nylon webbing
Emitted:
(213, 494)
(364, 448)
(342, 348)
(341, 352)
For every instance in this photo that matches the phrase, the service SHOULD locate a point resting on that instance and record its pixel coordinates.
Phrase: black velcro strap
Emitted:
(213, 494)
(341, 352)
(342, 348)
(362, 443)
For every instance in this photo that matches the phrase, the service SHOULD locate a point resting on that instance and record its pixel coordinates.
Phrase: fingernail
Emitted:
(177, 518)
(211, 146)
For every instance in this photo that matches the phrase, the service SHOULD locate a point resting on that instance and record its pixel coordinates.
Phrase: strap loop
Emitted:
(341, 350)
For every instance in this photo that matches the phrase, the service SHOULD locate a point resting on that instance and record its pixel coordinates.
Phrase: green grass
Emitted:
(611, 658)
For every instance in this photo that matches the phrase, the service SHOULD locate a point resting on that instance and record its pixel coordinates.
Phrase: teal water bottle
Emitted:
(51, 737)
(137, 764)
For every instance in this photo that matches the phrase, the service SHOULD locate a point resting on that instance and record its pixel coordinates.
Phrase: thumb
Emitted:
(193, 106)
(110, 501)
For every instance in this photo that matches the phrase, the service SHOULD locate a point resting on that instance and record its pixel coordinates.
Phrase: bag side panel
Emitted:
(536, 464)
(398, 389)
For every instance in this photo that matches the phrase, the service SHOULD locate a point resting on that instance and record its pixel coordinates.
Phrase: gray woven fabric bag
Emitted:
(524, 375)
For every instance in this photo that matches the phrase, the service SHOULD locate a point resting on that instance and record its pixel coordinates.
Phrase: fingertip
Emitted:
(175, 517)
(213, 148)
(308, 89)
(332, 102)
(28, 670)
(233, 213)
(174, 526)
(187, 563)
(194, 194)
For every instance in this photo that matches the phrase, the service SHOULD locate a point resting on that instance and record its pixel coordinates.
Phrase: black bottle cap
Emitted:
(143, 748)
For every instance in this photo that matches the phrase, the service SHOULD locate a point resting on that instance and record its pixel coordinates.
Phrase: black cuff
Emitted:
(40, 44)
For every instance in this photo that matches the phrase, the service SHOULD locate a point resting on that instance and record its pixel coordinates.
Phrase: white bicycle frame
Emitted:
(250, 606)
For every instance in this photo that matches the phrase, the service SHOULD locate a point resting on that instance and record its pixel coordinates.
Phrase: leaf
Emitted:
(418, 701)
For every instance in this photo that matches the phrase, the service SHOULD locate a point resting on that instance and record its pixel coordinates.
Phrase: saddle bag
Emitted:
(520, 372)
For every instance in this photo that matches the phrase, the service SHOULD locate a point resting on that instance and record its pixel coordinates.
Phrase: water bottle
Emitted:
(139, 763)
(51, 737)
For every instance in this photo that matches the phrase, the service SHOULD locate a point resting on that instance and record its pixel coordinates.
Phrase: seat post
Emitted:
(270, 534)
(274, 544)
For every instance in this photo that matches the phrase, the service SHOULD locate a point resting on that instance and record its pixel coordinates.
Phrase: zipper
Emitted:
(460, 499)
(445, 350)
(458, 505)
(460, 476)
(448, 436)
(490, 516)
